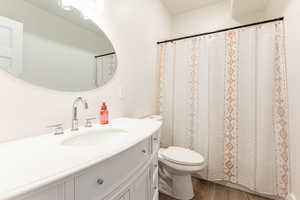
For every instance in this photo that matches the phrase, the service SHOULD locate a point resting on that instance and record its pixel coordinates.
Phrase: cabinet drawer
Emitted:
(125, 197)
(155, 142)
(96, 182)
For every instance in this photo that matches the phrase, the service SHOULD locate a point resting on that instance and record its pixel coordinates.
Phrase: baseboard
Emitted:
(291, 197)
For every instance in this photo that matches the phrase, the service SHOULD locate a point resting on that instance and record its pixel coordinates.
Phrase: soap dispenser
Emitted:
(103, 114)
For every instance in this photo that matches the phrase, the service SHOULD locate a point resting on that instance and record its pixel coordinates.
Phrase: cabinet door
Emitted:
(141, 186)
(11, 41)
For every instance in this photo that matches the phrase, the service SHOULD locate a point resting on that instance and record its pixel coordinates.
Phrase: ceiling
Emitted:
(72, 16)
(179, 6)
(239, 7)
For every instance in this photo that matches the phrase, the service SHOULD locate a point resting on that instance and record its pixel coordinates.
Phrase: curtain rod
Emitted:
(222, 30)
(105, 54)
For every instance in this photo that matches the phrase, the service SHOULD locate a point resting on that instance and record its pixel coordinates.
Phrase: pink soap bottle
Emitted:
(103, 114)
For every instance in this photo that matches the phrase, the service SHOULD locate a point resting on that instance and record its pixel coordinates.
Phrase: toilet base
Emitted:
(182, 187)
(175, 179)
(177, 186)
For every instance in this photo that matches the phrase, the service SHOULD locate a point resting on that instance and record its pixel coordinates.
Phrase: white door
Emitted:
(141, 187)
(11, 46)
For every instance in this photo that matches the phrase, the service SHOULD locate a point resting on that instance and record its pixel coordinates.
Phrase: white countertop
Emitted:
(34, 162)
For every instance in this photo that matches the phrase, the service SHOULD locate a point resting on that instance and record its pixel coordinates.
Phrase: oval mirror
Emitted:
(52, 44)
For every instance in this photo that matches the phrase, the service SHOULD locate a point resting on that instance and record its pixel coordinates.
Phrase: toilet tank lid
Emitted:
(183, 156)
(155, 117)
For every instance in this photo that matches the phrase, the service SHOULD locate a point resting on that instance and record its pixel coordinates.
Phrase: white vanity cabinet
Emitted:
(97, 181)
(129, 175)
(56, 191)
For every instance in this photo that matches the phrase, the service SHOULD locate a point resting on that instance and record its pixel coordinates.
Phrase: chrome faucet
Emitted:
(75, 112)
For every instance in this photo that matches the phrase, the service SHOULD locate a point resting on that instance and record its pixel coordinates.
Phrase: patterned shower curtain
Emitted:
(225, 96)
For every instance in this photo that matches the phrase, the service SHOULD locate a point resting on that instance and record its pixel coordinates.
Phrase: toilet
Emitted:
(176, 166)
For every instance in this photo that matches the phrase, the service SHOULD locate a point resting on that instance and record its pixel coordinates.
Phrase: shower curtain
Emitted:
(105, 69)
(225, 96)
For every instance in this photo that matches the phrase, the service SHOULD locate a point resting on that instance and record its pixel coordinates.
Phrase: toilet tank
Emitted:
(155, 117)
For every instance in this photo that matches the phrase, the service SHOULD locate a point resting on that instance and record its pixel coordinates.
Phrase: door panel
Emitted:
(11, 46)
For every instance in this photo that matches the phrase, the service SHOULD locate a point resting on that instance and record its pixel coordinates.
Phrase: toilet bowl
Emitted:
(176, 167)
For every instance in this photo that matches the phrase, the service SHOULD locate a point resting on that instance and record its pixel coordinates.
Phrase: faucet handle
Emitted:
(58, 128)
(88, 123)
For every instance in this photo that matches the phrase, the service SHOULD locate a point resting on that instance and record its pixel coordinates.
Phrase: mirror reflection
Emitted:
(54, 45)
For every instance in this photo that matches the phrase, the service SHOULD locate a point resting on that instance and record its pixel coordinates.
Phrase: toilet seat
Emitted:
(178, 156)
(182, 156)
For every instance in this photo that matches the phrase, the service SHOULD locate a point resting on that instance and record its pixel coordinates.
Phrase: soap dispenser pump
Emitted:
(103, 114)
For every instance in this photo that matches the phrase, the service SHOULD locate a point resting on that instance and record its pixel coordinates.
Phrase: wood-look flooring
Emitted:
(210, 191)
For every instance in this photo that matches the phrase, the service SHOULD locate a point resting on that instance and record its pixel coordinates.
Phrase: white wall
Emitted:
(133, 27)
(218, 16)
(209, 18)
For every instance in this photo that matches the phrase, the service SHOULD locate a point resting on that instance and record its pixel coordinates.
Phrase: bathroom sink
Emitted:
(97, 137)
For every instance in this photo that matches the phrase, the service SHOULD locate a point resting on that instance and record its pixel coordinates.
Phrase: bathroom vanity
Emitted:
(112, 162)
